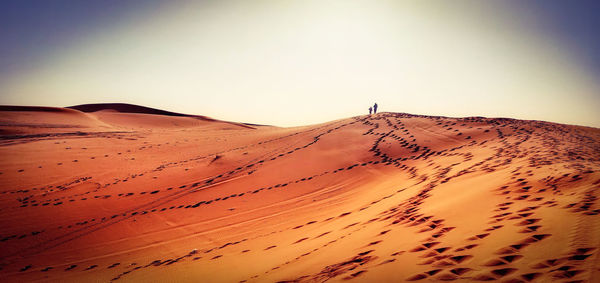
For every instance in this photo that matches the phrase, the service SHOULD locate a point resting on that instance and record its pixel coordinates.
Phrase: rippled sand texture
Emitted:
(119, 196)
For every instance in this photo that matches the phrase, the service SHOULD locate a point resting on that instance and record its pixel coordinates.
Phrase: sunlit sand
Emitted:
(111, 195)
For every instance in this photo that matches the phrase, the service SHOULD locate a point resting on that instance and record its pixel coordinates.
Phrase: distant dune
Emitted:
(24, 121)
(119, 192)
(128, 108)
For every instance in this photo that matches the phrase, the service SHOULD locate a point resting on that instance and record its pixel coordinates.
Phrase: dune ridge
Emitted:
(128, 108)
(388, 197)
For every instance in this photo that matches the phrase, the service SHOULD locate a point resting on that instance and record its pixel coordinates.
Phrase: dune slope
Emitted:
(388, 197)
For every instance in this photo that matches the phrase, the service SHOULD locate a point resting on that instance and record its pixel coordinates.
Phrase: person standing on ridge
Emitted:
(370, 110)
(375, 108)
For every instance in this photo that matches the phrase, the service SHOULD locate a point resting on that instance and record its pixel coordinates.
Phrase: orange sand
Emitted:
(109, 195)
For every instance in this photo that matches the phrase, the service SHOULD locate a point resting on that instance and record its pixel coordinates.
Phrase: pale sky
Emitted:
(291, 63)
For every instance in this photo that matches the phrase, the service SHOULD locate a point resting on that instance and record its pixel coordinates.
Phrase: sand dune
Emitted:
(131, 194)
(129, 108)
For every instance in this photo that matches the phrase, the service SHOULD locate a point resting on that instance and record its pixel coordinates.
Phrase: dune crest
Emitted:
(128, 108)
(135, 116)
(137, 194)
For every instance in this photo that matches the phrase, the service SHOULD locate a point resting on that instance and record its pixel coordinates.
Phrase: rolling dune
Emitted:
(130, 194)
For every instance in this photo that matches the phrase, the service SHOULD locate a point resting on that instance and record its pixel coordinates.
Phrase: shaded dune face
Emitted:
(128, 108)
(388, 197)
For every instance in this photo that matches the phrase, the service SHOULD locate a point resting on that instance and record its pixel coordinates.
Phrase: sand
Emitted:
(120, 195)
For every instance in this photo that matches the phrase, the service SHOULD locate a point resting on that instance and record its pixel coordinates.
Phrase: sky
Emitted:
(291, 63)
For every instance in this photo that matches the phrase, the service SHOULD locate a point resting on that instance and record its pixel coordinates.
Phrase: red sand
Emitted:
(109, 195)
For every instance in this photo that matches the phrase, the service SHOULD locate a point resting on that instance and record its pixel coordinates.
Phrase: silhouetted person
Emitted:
(370, 110)
(375, 108)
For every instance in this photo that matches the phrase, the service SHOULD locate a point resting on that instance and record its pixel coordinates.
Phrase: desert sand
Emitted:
(121, 193)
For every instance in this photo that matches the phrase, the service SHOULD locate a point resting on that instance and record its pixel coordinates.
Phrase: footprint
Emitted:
(503, 271)
(323, 234)
(540, 237)
(344, 214)
(511, 258)
(433, 272)
(460, 258)
(114, 265)
(528, 222)
(365, 253)
(530, 276)
(430, 244)
(494, 262)
(441, 250)
(416, 277)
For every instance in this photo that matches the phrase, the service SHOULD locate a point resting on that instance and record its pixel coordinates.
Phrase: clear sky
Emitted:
(301, 62)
